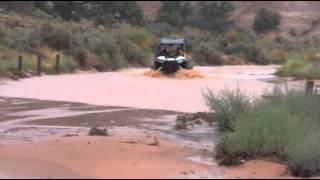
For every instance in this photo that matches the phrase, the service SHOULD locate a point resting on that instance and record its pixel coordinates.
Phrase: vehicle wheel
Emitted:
(188, 65)
(156, 66)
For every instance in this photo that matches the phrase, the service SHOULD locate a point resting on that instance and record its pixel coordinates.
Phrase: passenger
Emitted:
(180, 51)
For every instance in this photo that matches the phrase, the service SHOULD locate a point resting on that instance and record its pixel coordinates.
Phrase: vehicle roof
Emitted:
(172, 41)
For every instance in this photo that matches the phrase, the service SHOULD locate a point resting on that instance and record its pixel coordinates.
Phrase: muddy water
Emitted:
(130, 88)
(32, 120)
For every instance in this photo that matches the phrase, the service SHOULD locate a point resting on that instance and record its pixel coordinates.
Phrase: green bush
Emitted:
(160, 29)
(58, 38)
(134, 54)
(82, 57)
(284, 125)
(40, 14)
(241, 44)
(206, 53)
(266, 20)
(106, 20)
(67, 64)
(298, 65)
(138, 35)
(304, 158)
(277, 56)
(228, 106)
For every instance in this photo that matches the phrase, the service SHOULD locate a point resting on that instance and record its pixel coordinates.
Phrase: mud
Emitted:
(180, 74)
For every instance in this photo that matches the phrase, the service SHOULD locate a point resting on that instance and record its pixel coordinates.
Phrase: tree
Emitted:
(266, 20)
(64, 9)
(186, 11)
(19, 6)
(42, 5)
(214, 15)
(131, 12)
(175, 13)
(109, 12)
(71, 10)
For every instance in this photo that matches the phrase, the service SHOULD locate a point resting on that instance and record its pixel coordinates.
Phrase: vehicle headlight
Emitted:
(180, 59)
(161, 58)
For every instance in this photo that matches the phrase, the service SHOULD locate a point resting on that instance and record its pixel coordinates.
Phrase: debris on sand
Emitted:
(129, 142)
(156, 142)
(70, 135)
(180, 74)
(183, 122)
(98, 132)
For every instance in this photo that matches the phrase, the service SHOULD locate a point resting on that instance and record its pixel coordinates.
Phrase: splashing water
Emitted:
(180, 74)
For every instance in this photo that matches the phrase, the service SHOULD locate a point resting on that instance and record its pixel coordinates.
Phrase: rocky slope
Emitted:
(302, 17)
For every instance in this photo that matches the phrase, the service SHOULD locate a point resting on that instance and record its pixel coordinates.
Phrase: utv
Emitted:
(172, 55)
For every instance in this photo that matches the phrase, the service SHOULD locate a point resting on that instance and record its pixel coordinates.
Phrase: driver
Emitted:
(163, 51)
(180, 51)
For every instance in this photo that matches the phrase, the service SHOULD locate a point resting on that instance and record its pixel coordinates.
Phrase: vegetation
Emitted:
(285, 125)
(228, 106)
(112, 35)
(214, 15)
(266, 20)
(302, 65)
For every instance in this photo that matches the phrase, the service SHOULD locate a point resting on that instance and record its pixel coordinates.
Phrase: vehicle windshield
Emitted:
(171, 50)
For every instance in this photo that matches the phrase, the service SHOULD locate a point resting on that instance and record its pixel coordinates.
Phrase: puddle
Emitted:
(51, 113)
(30, 133)
(203, 136)
(210, 161)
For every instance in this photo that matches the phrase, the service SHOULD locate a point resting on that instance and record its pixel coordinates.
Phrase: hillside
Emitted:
(299, 16)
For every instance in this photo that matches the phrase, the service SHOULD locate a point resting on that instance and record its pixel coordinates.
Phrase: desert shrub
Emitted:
(160, 29)
(40, 14)
(313, 55)
(304, 157)
(207, 53)
(264, 42)
(7, 65)
(243, 49)
(228, 106)
(277, 56)
(105, 20)
(58, 38)
(291, 68)
(138, 35)
(284, 125)
(81, 56)
(104, 63)
(298, 65)
(310, 71)
(134, 54)
(67, 64)
(117, 62)
(266, 20)
(242, 44)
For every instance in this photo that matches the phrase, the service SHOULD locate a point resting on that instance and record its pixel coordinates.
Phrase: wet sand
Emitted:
(94, 157)
(258, 169)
